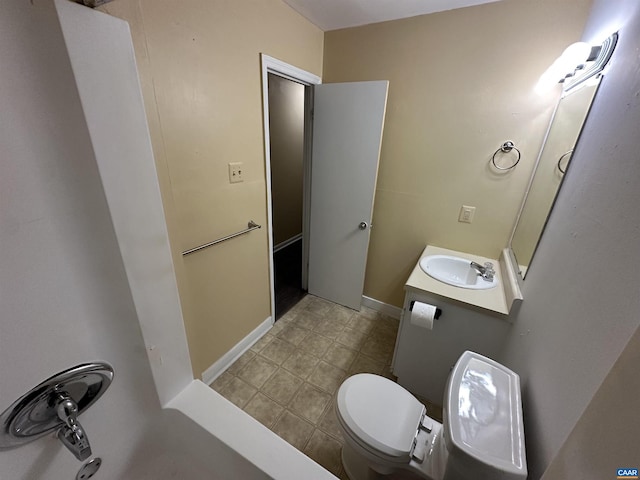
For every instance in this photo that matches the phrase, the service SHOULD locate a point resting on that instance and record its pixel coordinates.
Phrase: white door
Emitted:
(347, 132)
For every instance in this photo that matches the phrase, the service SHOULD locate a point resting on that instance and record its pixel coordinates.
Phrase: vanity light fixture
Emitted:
(579, 62)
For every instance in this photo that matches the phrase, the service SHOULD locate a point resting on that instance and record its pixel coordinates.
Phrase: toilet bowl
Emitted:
(388, 434)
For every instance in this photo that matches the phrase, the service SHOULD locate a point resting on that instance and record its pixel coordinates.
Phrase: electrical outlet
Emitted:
(235, 172)
(466, 214)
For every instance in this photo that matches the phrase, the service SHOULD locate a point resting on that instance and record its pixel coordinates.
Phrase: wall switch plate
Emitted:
(466, 214)
(235, 172)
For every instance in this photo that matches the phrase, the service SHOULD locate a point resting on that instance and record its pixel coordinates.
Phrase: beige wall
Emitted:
(286, 132)
(199, 65)
(461, 83)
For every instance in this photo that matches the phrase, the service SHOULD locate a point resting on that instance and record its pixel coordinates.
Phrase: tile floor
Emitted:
(289, 379)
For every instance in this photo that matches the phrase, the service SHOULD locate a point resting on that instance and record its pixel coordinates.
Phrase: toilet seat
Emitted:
(380, 416)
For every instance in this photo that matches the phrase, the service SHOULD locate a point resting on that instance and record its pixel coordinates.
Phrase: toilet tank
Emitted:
(482, 428)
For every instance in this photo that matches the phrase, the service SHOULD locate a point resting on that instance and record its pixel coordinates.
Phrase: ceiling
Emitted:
(334, 14)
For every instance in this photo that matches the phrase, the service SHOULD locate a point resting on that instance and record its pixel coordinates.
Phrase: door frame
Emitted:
(290, 72)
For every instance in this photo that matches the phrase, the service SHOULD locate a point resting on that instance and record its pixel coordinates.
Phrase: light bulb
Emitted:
(575, 54)
(565, 65)
(550, 78)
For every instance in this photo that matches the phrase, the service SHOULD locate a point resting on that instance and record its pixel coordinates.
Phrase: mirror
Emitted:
(553, 160)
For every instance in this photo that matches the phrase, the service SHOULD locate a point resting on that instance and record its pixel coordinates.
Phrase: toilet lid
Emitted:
(380, 413)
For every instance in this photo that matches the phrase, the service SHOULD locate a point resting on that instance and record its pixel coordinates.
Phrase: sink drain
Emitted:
(89, 469)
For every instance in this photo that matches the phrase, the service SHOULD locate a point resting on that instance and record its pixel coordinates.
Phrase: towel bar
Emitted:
(250, 226)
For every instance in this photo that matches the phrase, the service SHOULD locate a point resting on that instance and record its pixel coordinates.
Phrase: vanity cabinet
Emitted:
(470, 320)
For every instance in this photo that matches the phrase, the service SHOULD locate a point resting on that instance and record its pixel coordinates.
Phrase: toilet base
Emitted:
(357, 468)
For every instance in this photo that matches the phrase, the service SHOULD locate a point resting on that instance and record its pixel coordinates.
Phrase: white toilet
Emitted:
(388, 434)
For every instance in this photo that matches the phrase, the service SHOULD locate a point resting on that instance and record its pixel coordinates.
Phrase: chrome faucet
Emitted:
(487, 272)
(71, 434)
(54, 405)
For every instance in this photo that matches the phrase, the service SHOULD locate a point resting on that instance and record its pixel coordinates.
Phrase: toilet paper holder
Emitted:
(436, 315)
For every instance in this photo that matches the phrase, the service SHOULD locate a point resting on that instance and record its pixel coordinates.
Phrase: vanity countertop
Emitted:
(493, 299)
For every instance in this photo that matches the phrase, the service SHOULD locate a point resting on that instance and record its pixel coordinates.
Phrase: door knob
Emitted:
(362, 226)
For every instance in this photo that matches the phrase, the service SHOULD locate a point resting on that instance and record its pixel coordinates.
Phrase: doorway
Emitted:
(287, 100)
(286, 132)
(345, 140)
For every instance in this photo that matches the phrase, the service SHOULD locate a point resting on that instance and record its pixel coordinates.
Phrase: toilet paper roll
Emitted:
(422, 315)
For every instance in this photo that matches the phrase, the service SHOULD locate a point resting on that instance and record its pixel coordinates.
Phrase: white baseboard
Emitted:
(286, 243)
(385, 308)
(224, 362)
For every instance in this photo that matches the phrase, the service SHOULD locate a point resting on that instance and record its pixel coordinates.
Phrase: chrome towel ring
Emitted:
(568, 154)
(506, 147)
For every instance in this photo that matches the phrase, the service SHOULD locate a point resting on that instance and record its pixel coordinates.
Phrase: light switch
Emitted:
(235, 172)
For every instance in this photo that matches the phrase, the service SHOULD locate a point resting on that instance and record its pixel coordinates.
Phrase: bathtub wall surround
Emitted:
(64, 287)
(257, 449)
(86, 264)
(125, 164)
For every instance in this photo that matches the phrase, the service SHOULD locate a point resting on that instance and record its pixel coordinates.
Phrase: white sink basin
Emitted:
(455, 271)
